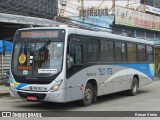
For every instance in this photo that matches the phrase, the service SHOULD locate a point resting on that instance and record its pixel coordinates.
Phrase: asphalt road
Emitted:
(148, 99)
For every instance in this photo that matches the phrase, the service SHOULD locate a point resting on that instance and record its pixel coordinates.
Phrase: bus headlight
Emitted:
(57, 85)
(12, 84)
(11, 81)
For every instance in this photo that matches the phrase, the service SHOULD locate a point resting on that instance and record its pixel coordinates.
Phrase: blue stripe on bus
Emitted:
(147, 69)
(21, 85)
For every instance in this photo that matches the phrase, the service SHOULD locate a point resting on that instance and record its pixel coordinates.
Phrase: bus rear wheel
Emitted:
(88, 95)
(134, 87)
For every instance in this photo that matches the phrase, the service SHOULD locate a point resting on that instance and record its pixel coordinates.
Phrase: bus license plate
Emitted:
(31, 98)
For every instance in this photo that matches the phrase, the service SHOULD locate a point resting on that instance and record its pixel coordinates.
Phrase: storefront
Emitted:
(140, 25)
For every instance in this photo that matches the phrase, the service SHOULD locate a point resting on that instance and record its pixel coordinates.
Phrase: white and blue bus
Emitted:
(63, 64)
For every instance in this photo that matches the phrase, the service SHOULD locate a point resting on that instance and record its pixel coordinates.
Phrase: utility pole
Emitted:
(82, 8)
(113, 6)
(127, 3)
(82, 4)
(144, 5)
(154, 5)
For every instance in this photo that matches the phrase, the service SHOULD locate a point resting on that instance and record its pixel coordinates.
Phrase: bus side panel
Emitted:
(144, 72)
(149, 75)
(73, 88)
(120, 82)
(115, 79)
(76, 83)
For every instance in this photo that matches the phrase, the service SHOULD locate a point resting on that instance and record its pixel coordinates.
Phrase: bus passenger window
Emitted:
(141, 53)
(150, 55)
(120, 49)
(131, 52)
(107, 52)
(93, 50)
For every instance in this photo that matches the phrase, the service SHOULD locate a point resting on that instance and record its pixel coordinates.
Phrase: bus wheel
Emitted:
(88, 95)
(134, 87)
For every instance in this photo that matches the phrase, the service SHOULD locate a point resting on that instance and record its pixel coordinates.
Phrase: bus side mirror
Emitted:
(4, 49)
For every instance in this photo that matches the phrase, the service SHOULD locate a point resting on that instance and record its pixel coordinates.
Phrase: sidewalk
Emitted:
(156, 78)
(4, 90)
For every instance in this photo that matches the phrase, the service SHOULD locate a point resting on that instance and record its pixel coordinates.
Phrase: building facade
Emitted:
(15, 14)
(34, 8)
(129, 18)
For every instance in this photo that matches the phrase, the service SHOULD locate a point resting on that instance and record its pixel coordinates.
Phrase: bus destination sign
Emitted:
(39, 34)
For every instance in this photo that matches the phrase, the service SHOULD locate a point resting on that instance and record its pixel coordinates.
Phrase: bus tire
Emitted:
(88, 95)
(134, 87)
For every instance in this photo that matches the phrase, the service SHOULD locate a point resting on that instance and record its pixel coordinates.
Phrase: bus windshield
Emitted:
(35, 56)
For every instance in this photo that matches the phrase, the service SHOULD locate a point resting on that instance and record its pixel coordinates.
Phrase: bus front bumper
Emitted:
(56, 96)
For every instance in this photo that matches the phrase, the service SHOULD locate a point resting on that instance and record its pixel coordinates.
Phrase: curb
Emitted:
(4, 94)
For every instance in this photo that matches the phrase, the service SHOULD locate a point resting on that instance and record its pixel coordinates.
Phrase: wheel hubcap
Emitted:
(87, 94)
(134, 87)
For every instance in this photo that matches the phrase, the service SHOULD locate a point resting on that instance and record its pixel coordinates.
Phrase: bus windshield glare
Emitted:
(38, 57)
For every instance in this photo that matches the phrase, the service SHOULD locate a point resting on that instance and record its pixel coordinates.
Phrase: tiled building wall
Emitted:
(34, 8)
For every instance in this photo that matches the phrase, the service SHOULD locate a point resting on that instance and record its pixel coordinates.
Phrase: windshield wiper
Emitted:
(45, 44)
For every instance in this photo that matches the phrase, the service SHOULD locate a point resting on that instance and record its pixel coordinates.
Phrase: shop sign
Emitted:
(93, 12)
(128, 17)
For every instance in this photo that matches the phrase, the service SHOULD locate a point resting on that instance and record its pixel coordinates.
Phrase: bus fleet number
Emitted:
(105, 71)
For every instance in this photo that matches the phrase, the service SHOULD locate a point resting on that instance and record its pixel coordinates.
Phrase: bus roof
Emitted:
(109, 35)
(71, 30)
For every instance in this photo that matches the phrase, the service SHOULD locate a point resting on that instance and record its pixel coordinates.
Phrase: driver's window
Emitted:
(74, 55)
(78, 54)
